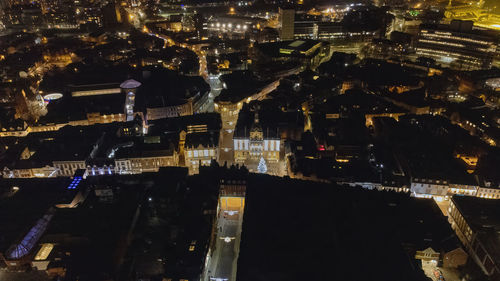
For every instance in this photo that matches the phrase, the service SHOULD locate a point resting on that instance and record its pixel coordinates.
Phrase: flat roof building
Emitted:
(457, 45)
(477, 223)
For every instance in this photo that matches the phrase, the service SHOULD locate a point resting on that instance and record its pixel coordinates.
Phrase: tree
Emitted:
(262, 168)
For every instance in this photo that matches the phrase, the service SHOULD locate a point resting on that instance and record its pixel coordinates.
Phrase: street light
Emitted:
(227, 239)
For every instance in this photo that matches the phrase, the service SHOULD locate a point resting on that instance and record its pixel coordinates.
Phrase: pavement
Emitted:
(215, 89)
(226, 147)
(222, 263)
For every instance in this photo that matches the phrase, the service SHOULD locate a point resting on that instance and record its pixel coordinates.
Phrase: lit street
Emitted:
(223, 261)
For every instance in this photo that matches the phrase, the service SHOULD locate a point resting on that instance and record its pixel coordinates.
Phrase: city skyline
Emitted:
(188, 140)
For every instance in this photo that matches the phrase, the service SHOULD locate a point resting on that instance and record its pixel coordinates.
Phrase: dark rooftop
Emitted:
(207, 139)
(19, 210)
(323, 232)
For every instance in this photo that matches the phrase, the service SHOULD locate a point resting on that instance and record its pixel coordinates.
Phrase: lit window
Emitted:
(191, 248)
(195, 153)
(212, 152)
(205, 152)
(190, 154)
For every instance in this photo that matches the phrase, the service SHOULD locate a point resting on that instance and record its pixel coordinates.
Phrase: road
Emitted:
(212, 80)
(222, 263)
(215, 89)
(226, 153)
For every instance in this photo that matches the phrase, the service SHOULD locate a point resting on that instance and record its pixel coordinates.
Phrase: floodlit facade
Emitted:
(428, 188)
(488, 193)
(199, 146)
(257, 144)
(149, 162)
(68, 168)
(201, 155)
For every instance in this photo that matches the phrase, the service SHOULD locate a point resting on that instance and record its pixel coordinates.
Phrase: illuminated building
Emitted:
(16, 257)
(232, 27)
(200, 148)
(129, 161)
(427, 188)
(329, 31)
(15, 128)
(287, 22)
(457, 45)
(493, 83)
(488, 192)
(174, 110)
(256, 142)
(41, 262)
(101, 103)
(130, 87)
(228, 111)
(482, 17)
(443, 189)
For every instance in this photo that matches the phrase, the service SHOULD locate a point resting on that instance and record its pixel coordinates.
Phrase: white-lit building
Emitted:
(488, 192)
(200, 148)
(256, 142)
(428, 188)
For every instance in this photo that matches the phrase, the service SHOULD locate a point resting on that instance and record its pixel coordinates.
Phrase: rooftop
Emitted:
(302, 48)
(480, 214)
(206, 139)
(319, 230)
(24, 201)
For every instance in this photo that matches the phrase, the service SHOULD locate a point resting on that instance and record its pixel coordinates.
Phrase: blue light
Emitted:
(74, 183)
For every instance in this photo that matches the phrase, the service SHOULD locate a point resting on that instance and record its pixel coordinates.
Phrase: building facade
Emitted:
(257, 144)
(200, 148)
(146, 163)
(427, 188)
(457, 45)
(287, 21)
